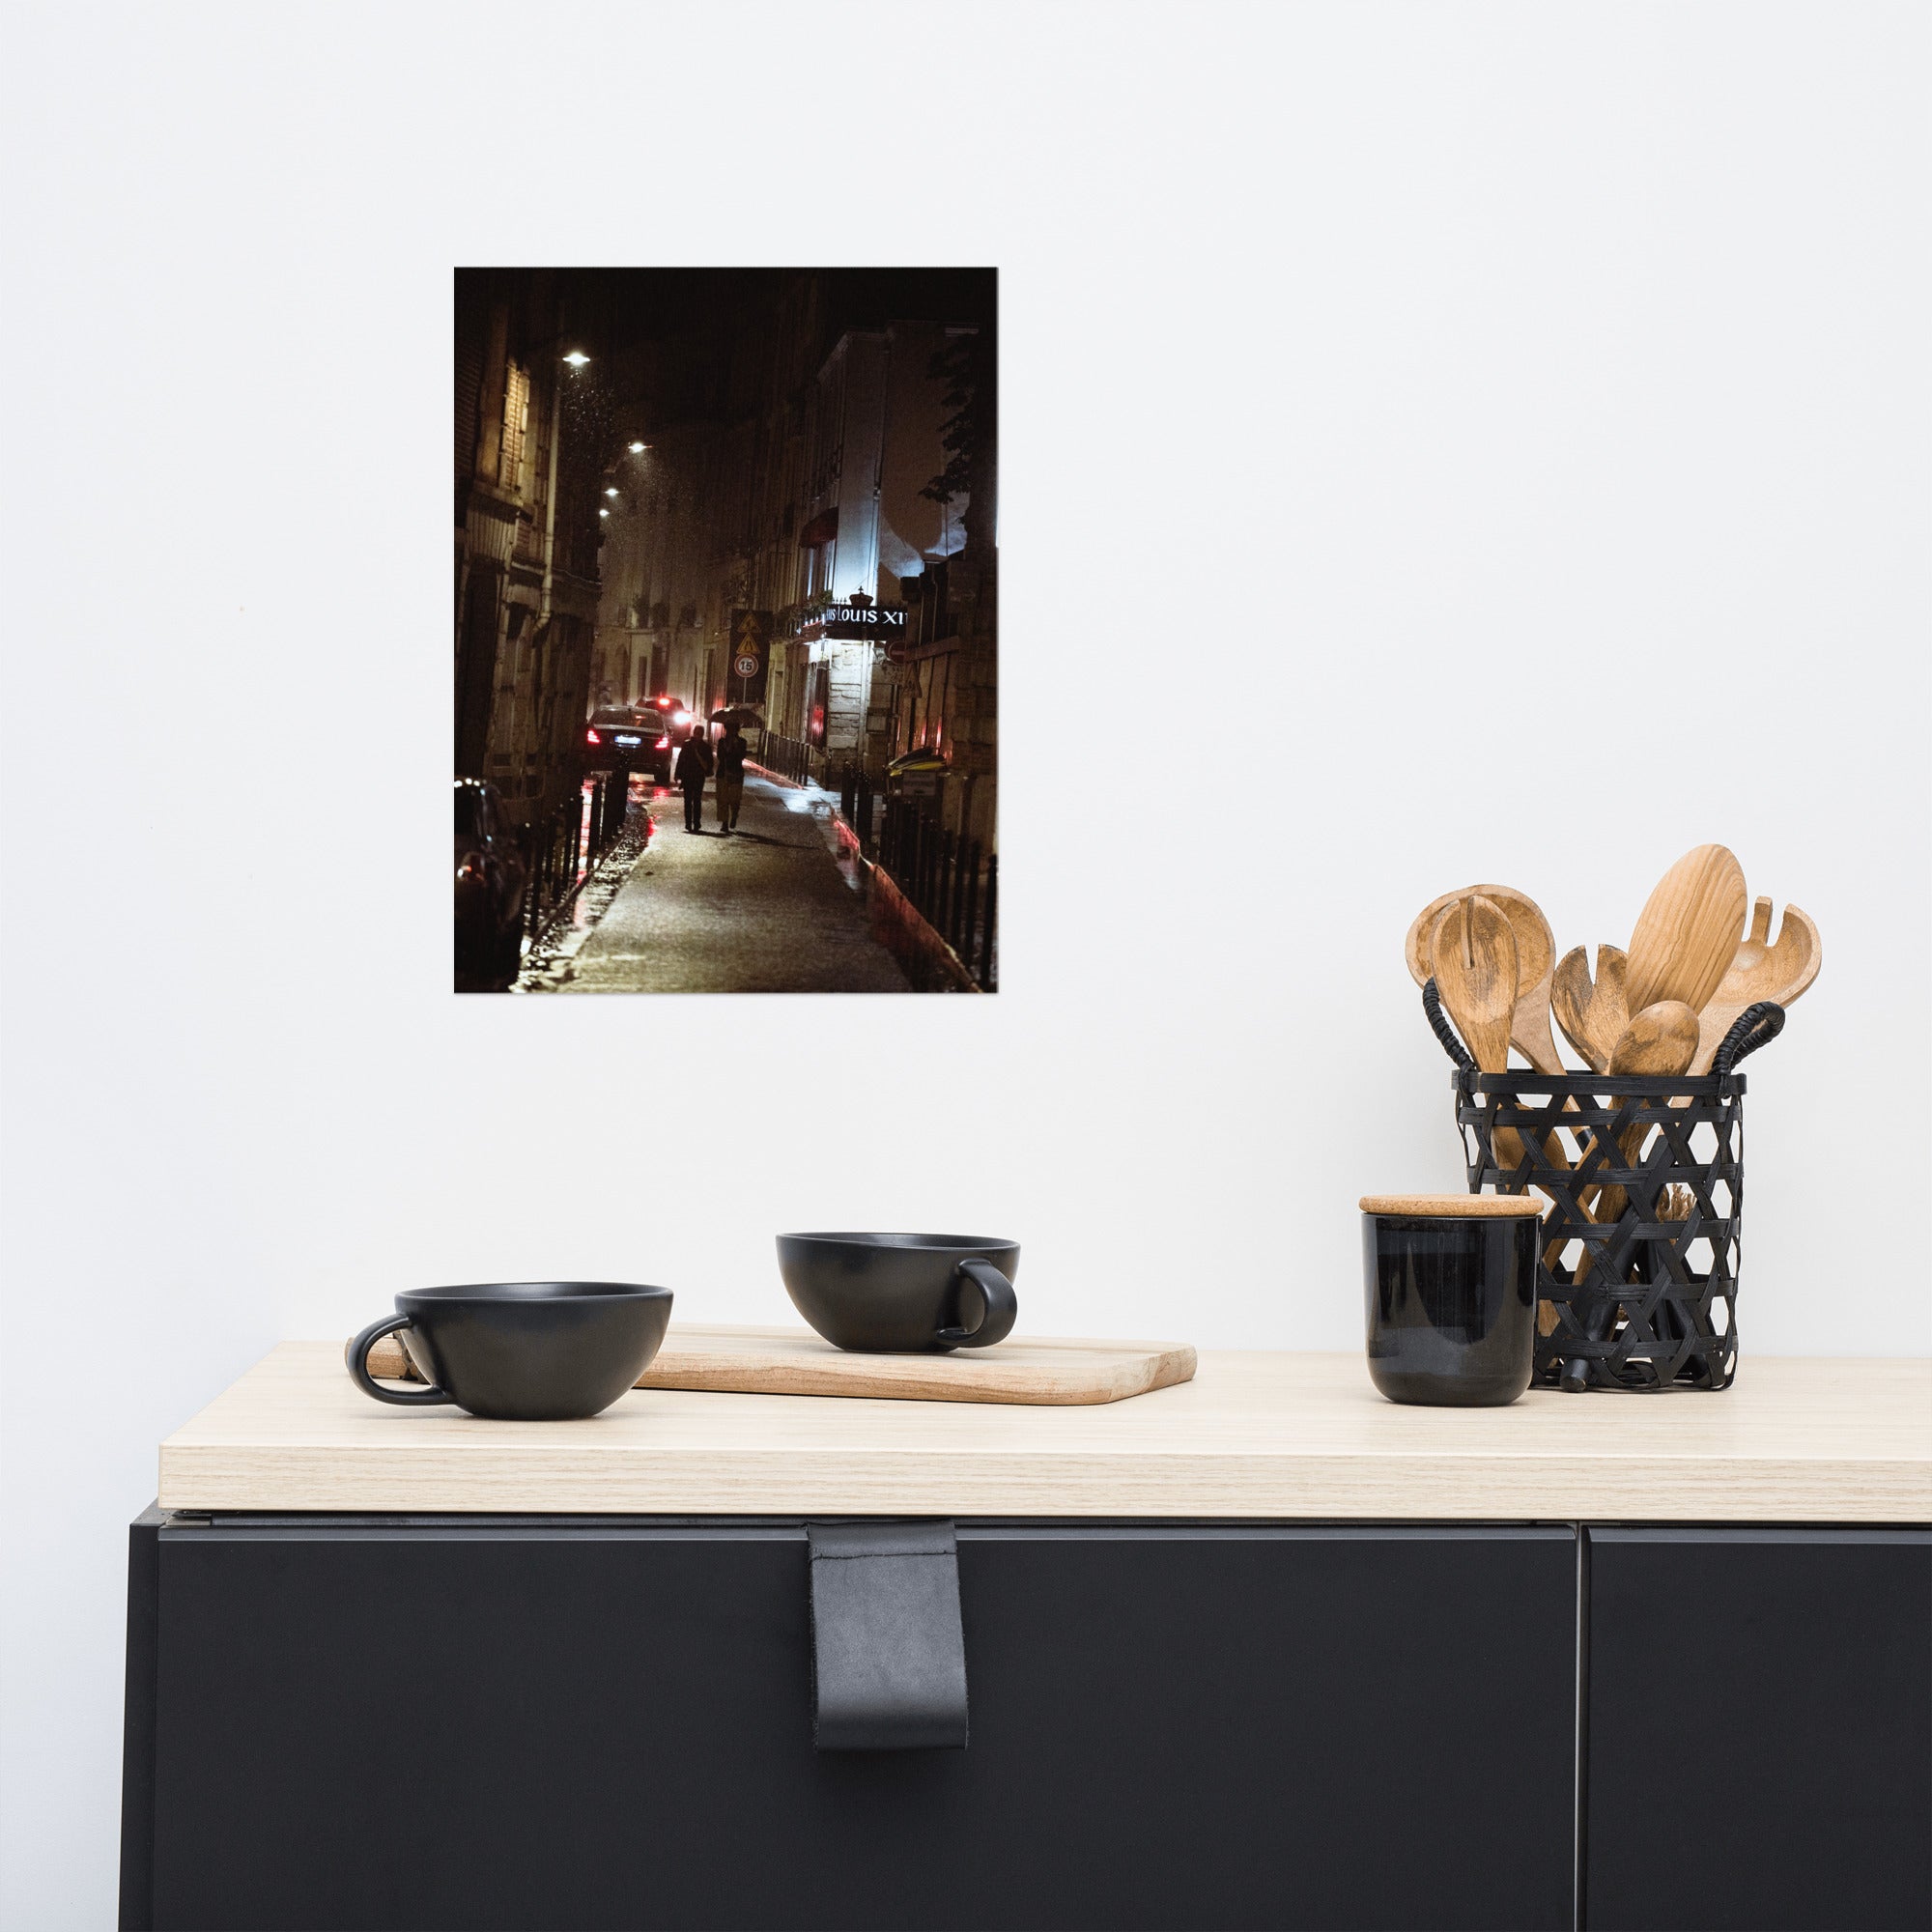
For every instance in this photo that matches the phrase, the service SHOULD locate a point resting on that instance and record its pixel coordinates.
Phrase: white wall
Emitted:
(1536, 395)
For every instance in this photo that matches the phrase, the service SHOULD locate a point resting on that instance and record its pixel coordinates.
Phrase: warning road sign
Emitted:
(750, 637)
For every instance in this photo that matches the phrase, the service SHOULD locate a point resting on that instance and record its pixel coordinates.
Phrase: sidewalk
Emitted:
(767, 910)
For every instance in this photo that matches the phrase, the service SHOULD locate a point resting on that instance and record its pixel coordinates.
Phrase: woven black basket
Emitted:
(1642, 1301)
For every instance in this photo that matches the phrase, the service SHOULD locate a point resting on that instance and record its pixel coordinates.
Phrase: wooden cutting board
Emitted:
(794, 1361)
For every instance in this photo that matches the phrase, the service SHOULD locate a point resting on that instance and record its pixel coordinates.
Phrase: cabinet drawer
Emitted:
(600, 1722)
(1760, 1730)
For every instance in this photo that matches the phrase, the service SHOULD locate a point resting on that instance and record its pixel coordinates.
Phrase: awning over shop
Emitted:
(821, 529)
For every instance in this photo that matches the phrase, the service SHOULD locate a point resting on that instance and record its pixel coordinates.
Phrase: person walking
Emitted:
(694, 767)
(731, 752)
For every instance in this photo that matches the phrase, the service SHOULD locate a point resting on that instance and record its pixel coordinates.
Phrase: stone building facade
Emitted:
(526, 534)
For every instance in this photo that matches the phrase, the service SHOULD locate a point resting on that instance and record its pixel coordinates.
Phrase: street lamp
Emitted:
(636, 447)
(577, 358)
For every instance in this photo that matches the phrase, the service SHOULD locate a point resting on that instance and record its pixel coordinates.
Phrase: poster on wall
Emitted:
(725, 630)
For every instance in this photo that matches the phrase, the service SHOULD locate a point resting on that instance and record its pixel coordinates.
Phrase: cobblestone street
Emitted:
(767, 910)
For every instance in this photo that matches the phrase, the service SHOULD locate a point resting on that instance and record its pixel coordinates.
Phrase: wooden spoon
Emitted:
(1660, 1043)
(1535, 960)
(1688, 933)
(1759, 969)
(1661, 1040)
(1593, 1017)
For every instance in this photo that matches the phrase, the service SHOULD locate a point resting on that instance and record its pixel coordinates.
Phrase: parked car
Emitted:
(489, 890)
(629, 741)
(673, 711)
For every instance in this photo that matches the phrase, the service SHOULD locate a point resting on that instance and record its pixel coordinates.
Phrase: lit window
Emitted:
(516, 422)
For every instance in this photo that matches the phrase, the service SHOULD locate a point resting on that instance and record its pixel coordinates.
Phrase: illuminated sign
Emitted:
(881, 622)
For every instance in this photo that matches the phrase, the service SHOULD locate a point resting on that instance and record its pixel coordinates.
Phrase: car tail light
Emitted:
(591, 738)
(664, 743)
(474, 867)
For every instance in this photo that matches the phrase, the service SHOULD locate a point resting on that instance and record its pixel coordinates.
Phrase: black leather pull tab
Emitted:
(889, 1657)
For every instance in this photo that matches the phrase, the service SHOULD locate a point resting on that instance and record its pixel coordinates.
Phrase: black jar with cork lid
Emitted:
(1450, 1285)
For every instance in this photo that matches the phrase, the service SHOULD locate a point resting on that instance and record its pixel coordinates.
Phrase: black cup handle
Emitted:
(1000, 1307)
(357, 1356)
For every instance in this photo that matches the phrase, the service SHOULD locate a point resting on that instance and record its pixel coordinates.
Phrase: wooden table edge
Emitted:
(1236, 1485)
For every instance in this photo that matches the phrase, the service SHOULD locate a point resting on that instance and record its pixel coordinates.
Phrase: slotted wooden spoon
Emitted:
(1472, 954)
(1471, 945)
(1472, 949)
(1593, 1016)
(1535, 961)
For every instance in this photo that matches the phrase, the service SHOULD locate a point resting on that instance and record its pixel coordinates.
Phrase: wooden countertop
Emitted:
(1253, 1435)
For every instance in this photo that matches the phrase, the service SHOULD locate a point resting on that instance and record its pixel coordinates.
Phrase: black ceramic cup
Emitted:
(520, 1350)
(1450, 1289)
(903, 1294)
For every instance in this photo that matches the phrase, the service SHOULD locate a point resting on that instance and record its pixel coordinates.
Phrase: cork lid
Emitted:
(1465, 1207)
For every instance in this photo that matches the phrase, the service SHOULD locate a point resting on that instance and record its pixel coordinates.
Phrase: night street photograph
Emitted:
(725, 658)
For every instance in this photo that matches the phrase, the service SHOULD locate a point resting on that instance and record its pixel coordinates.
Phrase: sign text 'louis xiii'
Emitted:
(883, 623)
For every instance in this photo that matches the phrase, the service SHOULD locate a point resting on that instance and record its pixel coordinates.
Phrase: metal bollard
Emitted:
(527, 851)
(969, 926)
(985, 972)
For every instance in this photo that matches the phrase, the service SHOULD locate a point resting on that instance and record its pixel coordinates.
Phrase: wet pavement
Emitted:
(767, 910)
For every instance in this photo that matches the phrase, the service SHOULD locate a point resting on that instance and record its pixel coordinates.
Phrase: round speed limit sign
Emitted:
(745, 665)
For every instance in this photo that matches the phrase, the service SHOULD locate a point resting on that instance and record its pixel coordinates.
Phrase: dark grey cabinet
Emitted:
(605, 1722)
(427, 1723)
(1760, 1730)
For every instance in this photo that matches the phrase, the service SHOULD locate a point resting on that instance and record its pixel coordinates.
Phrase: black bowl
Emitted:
(521, 1351)
(901, 1294)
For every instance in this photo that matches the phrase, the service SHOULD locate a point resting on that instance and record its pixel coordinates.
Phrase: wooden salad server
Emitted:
(1759, 969)
(1472, 955)
(1536, 960)
(1471, 947)
(1593, 1017)
(1472, 951)
(1687, 932)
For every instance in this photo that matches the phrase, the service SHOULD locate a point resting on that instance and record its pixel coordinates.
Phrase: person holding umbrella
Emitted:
(694, 767)
(732, 750)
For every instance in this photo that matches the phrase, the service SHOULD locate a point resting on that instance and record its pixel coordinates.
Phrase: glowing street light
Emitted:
(639, 448)
(603, 513)
(577, 358)
(610, 491)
